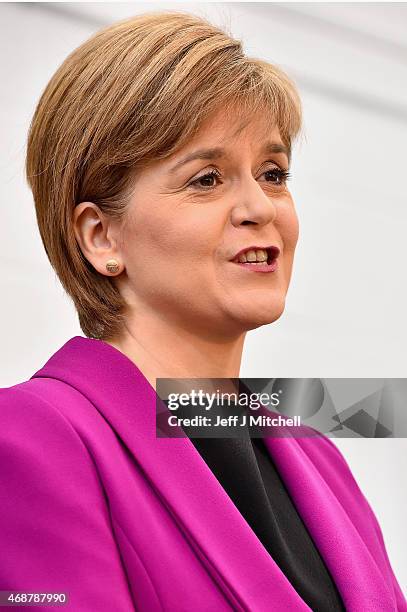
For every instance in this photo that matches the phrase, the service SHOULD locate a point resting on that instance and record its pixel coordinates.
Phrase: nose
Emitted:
(253, 205)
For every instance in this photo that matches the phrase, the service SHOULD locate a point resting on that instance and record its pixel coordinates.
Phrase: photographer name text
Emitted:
(235, 421)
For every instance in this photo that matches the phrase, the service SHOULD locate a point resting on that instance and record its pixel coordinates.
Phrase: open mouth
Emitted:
(258, 258)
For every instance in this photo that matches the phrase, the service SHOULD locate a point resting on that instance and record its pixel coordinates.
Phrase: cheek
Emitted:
(148, 234)
(288, 226)
(172, 249)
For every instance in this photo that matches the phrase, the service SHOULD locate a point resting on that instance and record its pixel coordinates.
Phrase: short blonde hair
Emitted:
(132, 93)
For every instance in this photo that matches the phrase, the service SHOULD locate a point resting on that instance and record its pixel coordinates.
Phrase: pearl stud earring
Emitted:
(112, 266)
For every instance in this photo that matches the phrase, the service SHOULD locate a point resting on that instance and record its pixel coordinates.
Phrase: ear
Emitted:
(96, 234)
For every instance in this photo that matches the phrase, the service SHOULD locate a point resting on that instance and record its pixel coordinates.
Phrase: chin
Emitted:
(257, 317)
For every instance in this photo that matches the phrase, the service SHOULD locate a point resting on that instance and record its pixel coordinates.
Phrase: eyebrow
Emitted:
(218, 152)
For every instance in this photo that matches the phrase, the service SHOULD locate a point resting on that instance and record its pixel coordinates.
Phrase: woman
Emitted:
(158, 157)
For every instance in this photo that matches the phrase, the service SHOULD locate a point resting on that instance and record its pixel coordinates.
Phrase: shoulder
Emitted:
(47, 473)
(32, 429)
(22, 406)
(52, 493)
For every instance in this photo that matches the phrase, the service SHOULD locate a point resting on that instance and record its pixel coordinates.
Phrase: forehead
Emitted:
(226, 126)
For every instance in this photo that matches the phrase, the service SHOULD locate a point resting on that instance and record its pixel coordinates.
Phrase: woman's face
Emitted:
(192, 213)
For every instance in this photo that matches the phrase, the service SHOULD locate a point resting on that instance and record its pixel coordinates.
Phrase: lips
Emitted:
(271, 250)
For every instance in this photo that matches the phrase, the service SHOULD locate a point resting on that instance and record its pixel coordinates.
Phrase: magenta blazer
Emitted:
(94, 505)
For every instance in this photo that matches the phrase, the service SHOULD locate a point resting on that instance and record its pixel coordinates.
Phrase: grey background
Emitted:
(345, 314)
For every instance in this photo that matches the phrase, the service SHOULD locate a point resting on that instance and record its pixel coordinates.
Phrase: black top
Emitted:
(247, 473)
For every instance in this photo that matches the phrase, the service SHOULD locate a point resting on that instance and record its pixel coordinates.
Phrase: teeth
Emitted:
(252, 256)
(261, 255)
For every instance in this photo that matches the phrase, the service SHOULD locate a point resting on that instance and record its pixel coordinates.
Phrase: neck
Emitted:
(162, 350)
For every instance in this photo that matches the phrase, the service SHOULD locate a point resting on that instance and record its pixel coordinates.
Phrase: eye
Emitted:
(205, 181)
(276, 176)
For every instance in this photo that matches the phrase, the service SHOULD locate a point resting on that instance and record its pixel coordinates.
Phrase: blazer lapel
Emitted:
(219, 534)
(354, 570)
